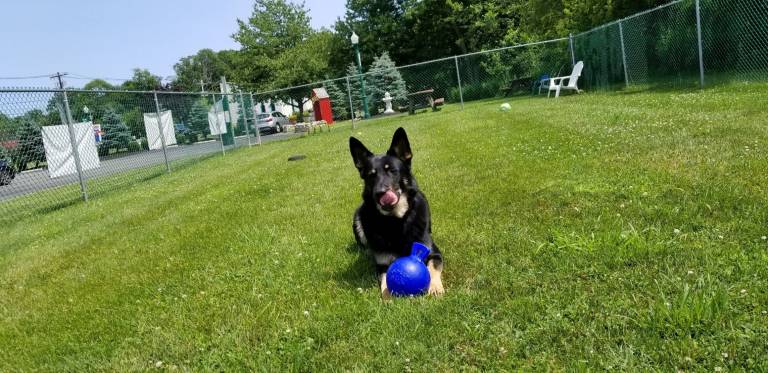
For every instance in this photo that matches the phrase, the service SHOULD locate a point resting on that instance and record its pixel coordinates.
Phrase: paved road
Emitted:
(36, 180)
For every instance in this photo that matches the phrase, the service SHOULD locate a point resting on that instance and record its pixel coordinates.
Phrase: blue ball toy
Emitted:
(408, 276)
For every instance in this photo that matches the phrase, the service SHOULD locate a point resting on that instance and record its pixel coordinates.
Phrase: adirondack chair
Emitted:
(557, 84)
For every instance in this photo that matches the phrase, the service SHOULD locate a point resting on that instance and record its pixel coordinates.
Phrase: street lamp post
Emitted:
(355, 40)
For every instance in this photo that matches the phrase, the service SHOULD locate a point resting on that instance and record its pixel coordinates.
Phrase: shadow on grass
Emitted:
(360, 273)
(51, 199)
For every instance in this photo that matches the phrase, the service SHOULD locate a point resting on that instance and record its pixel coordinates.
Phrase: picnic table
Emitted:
(521, 84)
(423, 99)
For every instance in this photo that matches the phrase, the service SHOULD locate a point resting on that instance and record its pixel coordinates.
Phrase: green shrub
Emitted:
(144, 143)
(134, 146)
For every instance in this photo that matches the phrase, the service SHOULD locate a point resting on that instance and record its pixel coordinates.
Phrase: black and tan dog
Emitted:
(394, 212)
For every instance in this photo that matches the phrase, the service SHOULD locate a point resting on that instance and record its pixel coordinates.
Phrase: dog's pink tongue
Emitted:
(388, 199)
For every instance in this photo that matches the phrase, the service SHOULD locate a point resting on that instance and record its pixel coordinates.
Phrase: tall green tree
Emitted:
(384, 77)
(337, 91)
(115, 134)
(305, 62)
(206, 66)
(29, 148)
(198, 117)
(355, 88)
(380, 24)
(143, 80)
(274, 27)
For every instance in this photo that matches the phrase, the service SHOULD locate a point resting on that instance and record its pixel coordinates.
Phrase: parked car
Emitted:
(271, 122)
(7, 172)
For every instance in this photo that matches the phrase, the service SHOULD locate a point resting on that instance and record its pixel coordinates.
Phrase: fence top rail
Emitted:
(638, 14)
(378, 71)
(80, 90)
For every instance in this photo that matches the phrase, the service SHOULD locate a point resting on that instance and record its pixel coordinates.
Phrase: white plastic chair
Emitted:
(557, 84)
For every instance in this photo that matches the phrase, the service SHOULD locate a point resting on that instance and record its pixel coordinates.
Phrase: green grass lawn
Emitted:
(618, 230)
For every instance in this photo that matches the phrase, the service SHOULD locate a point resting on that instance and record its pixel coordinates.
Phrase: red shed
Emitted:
(321, 104)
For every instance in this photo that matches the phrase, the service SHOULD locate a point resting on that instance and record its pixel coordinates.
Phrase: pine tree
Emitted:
(115, 134)
(30, 145)
(354, 81)
(384, 77)
(339, 99)
(198, 117)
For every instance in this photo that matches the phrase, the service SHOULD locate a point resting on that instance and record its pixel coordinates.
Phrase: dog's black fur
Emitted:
(388, 231)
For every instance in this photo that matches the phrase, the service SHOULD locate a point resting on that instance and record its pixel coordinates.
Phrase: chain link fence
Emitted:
(682, 44)
(61, 146)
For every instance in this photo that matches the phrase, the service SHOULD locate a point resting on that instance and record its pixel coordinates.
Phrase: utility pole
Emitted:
(58, 76)
(202, 86)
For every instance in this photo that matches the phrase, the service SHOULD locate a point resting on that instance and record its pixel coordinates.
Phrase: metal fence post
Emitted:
(75, 150)
(570, 46)
(623, 54)
(162, 134)
(458, 78)
(255, 125)
(245, 118)
(218, 127)
(698, 35)
(351, 108)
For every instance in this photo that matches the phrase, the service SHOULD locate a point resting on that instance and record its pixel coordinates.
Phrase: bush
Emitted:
(477, 91)
(134, 146)
(103, 150)
(144, 143)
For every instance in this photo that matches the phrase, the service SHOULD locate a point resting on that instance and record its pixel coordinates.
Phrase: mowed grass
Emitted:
(602, 231)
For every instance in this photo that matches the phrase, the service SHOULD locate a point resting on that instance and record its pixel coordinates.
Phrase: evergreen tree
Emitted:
(354, 81)
(198, 117)
(30, 145)
(339, 99)
(384, 77)
(115, 134)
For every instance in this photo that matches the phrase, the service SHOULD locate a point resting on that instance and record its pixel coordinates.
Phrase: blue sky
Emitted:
(107, 38)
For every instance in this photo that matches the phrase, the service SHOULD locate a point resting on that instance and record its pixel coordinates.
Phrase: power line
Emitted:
(24, 77)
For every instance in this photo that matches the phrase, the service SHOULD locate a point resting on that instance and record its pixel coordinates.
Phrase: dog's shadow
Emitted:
(360, 273)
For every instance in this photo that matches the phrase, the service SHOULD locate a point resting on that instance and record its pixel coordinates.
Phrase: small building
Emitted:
(321, 104)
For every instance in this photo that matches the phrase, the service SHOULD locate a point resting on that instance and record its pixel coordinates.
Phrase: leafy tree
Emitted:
(143, 80)
(115, 134)
(206, 66)
(380, 24)
(29, 147)
(274, 27)
(134, 120)
(306, 62)
(384, 77)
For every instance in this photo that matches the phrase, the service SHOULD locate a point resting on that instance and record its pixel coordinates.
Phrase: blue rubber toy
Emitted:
(408, 276)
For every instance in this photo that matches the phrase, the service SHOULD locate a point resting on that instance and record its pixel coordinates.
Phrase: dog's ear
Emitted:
(400, 147)
(360, 154)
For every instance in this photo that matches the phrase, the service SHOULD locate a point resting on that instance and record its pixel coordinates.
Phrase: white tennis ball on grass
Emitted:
(506, 106)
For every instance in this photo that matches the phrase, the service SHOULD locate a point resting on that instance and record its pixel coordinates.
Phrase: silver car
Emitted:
(269, 123)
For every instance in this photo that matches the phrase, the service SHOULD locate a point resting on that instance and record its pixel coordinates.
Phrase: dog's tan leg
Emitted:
(385, 294)
(436, 282)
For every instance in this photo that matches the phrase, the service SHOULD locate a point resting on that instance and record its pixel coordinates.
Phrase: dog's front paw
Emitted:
(386, 295)
(436, 288)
